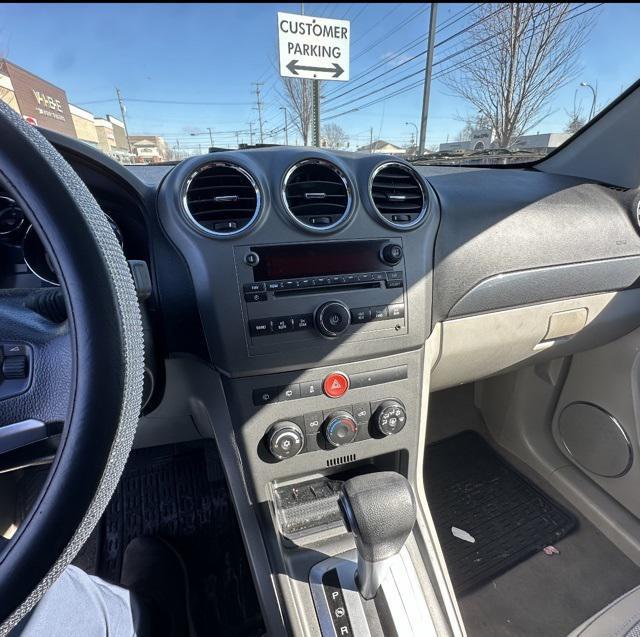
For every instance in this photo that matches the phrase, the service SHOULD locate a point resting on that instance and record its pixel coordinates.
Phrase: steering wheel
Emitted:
(85, 375)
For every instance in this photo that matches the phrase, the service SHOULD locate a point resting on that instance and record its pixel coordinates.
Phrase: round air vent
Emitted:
(221, 199)
(317, 195)
(398, 195)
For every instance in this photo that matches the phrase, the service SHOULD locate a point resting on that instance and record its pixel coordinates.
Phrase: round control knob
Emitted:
(341, 429)
(285, 440)
(333, 318)
(390, 417)
(392, 253)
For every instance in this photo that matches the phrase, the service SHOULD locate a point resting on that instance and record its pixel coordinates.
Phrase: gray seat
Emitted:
(620, 619)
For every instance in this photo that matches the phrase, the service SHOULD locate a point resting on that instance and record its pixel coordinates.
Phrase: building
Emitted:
(149, 148)
(381, 146)
(85, 125)
(540, 142)
(119, 133)
(38, 101)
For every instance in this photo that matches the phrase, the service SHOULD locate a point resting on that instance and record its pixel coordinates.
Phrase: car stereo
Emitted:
(299, 292)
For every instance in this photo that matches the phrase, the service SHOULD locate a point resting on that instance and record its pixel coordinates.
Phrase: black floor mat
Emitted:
(178, 492)
(470, 487)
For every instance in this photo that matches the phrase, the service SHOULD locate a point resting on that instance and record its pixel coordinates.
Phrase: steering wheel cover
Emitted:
(107, 344)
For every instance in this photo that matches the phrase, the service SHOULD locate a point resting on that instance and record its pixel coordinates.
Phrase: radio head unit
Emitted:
(303, 293)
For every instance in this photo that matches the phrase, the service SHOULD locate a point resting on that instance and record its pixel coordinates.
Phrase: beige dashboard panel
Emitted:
(483, 345)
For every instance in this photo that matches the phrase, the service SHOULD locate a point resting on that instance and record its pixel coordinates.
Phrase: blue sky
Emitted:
(212, 53)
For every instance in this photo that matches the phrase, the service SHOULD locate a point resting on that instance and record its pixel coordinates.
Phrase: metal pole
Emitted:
(427, 78)
(123, 110)
(316, 112)
(593, 100)
(286, 126)
(259, 101)
(210, 136)
(251, 133)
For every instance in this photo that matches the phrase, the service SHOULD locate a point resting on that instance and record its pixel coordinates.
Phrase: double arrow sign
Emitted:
(336, 70)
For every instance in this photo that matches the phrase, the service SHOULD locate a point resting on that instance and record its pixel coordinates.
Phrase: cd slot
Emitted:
(328, 288)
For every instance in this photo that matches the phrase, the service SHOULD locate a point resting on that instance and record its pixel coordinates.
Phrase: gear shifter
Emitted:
(380, 511)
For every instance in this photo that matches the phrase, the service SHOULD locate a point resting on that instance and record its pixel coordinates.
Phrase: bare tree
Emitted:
(334, 135)
(299, 96)
(576, 117)
(518, 56)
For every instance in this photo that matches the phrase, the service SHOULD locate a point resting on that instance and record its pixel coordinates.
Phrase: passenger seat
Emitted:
(620, 619)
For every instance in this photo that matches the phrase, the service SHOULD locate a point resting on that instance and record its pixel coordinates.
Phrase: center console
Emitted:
(318, 338)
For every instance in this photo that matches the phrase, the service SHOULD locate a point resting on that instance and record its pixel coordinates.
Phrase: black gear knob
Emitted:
(380, 511)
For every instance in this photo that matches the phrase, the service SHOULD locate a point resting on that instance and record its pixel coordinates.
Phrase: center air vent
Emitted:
(398, 195)
(317, 195)
(221, 199)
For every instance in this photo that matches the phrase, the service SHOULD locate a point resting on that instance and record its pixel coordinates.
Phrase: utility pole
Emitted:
(210, 136)
(371, 140)
(238, 138)
(123, 110)
(286, 126)
(427, 78)
(251, 133)
(259, 107)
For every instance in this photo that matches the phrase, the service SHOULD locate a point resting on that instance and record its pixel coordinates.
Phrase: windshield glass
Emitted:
(463, 84)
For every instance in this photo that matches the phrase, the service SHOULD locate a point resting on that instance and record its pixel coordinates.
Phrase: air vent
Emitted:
(221, 199)
(317, 195)
(335, 462)
(398, 196)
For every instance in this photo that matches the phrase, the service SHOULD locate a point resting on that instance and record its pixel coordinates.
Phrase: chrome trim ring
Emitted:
(207, 231)
(346, 215)
(425, 196)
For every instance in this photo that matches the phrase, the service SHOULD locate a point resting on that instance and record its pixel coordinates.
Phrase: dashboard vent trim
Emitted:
(221, 199)
(335, 462)
(398, 195)
(317, 195)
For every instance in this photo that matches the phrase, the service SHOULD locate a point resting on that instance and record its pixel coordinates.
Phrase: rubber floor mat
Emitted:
(178, 492)
(470, 487)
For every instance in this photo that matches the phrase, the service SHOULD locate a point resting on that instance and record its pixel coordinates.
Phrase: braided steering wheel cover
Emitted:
(132, 356)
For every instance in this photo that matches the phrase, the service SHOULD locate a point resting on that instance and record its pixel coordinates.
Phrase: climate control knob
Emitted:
(285, 440)
(333, 318)
(340, 429)
(390, 417)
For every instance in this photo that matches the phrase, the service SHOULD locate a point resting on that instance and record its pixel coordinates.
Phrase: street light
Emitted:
(593, 101)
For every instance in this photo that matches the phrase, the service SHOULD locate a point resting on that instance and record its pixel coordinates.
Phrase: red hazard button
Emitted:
(335, 384)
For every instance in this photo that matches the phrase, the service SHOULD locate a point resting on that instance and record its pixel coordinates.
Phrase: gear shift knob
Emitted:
(380, 511)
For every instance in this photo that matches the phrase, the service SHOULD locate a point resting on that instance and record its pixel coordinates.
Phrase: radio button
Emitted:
(253, 287)
(255, 297)
(310, 388)
(395, 284)
(290, 284)
(259, 327)
(251, 259)
(336, 385)
(305, 283)
(396, 311)
(365, 278)
(378, 276)
(379, 313)
(333, 318)
(395, 275)
(282, 324)
(351, 278)
(321, 281)
(272, 286)
(303, 322)
(362, 413)
(338, 280)
(361, 315)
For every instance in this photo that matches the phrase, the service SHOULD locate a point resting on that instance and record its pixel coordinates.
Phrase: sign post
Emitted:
(314, 49)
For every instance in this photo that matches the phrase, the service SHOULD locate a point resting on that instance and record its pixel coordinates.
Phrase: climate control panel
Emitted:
(327, 430)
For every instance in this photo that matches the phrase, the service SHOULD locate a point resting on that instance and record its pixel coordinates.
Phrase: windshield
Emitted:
(463, 84)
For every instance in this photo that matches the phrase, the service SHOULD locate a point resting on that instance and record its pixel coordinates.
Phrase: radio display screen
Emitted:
(317, 259)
